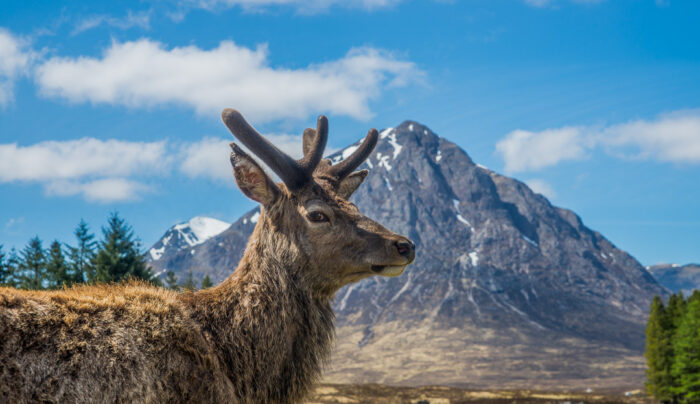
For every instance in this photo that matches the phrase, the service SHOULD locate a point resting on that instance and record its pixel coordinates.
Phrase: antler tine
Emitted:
(308, 138)
(313, 151)
(289, 170)
(345, 167)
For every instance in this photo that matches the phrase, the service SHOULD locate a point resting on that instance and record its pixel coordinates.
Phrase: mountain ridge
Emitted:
(677, 278)
(498, 267)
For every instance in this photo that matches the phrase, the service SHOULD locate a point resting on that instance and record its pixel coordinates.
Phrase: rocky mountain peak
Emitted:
(188, 234)
(497, 265)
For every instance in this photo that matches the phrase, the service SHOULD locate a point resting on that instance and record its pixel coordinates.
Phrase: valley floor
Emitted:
(382, 394)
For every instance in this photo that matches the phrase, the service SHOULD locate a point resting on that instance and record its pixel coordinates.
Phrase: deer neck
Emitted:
(272, 331)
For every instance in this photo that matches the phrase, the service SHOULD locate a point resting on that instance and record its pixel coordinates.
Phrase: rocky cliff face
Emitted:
(505, 286)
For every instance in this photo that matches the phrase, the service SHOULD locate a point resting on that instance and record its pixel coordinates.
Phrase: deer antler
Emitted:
(347, 166)
(294, 173)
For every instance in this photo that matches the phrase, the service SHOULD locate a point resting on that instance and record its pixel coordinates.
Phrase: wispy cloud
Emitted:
(549, 3)
(105, 190)
(130, 20)
(523, 150)
(673, 137)
(541, 186)
(209, 158)
(145, 73)
(94, 168)
(84, 157)
(301, 6)
(14, 222)
(106, 171)
(15, 57)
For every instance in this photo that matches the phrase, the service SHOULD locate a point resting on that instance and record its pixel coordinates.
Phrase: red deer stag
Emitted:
(260, 336)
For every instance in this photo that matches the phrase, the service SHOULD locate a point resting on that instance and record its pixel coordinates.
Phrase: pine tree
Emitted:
(190, 283)
(33, 265)
(658, 353)
(4, 268)
(206, 282)
(57, 268)
(675, 309)
(119, 257)
(12, 269)
(82, 256)
(171, 280)
(686, 365)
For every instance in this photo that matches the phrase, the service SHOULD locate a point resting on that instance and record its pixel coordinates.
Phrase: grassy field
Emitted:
(381, 394)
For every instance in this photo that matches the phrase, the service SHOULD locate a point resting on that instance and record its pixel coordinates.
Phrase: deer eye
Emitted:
(317, 217)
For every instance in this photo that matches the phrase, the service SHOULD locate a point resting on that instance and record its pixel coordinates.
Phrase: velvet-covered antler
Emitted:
(294, 173)
(347, 166)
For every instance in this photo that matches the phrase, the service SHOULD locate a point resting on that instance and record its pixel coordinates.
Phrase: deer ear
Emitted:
(251, 178)
(349, 184)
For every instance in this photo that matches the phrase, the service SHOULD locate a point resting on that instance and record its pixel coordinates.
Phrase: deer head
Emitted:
(307, 218)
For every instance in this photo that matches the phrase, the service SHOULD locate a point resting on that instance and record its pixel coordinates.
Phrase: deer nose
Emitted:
(405, 248)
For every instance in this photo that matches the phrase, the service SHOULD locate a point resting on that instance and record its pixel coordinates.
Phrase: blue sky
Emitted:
(111, 106)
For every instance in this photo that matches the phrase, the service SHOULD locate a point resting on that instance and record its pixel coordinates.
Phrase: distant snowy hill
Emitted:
(186, 235)
(678, 278)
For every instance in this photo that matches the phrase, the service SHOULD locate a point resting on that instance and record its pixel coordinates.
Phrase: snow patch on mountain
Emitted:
(200, 229)
(189, 234)
(397, 147)
(455, 203)
(385, 133)
(156, 253)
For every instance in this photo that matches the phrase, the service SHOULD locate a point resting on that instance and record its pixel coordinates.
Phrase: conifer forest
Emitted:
(116, 257)
(673, 349)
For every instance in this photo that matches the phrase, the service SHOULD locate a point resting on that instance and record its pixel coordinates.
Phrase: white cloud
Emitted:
(523, 150)
(541, 187)
(673, 137)
(113, 170)
(130, 20)
(93, 168)
(103, 190)
(209, 158)
(145, 73)
(86, 157)
(14, 60)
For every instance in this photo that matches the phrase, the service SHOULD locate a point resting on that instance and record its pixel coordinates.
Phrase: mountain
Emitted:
(183, 236)
(678, 278)
(506, 288)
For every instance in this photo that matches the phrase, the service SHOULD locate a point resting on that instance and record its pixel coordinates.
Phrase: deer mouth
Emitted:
(388, 270)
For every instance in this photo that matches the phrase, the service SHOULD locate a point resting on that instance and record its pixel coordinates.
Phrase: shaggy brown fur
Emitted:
(260, 336)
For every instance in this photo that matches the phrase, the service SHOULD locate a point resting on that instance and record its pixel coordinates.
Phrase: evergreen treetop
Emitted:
(206, 282)
(32, 265)
(57, 267)
(82, 256)
(686, 344)
(658, 352)
(119, 257)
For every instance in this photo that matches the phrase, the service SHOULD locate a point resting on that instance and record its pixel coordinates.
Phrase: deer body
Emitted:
(260, 336)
